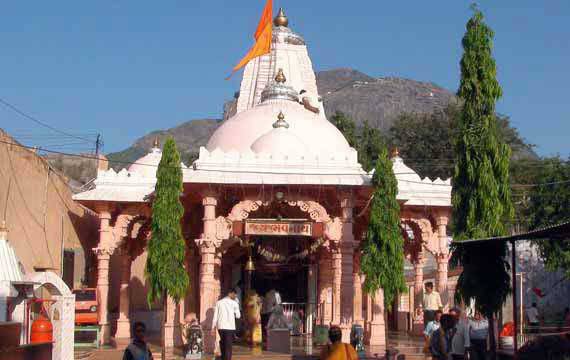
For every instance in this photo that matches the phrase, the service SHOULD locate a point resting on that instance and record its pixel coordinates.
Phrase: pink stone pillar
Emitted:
(377, 336)
(325, 284)
(209, 285)
(442, 258)
(124, 323)
(104, 251)
(418, 282)
(357, 289)
(441, 279)
(336, 285)
(347, 253)
(168, 327)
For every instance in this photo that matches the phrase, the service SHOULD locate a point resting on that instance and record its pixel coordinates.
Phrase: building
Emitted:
(48, 230)
(276, 184)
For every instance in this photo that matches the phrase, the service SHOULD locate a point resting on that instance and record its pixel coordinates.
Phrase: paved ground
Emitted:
(410, 346)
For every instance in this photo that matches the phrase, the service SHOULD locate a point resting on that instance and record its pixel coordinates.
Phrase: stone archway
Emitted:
(62, 313)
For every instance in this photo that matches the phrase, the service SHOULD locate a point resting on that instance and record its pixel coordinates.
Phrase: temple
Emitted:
(277, 187)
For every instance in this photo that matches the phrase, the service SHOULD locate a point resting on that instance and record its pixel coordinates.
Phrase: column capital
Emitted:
(209, 200)
(206, 245)
(103, 252)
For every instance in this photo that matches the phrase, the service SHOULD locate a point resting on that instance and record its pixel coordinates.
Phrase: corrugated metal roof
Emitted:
(558, 231)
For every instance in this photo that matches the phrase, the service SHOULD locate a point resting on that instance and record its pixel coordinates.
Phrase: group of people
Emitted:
(453, 335)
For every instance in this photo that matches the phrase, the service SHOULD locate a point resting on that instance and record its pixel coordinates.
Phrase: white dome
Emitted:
(148, 164)
(280, 141)
(313, 130)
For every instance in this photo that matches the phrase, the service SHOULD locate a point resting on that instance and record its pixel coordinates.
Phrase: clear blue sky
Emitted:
(124, 68)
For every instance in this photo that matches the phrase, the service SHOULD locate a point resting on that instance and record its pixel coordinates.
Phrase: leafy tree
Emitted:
(370, 144)
(424, 141)
(549, 204)
(346, 126)
(383, 248)
(481, 190)
(165, 269)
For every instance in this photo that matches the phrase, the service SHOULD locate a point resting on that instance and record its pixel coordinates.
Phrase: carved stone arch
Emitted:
(242, 209)
(424, 231)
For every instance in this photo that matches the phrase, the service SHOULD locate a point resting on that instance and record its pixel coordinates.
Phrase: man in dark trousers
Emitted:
(225, 315)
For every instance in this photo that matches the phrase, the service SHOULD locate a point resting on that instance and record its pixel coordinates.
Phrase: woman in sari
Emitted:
(252, 307)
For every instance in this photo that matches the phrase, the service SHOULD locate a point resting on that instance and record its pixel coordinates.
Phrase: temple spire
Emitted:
(156, 143)
(281, 19)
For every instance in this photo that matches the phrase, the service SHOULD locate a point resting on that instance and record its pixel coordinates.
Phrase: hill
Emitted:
(360, 96)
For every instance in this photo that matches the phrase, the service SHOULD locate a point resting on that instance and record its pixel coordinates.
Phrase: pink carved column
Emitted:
(418, 281)
(104, 251)
(357, 284)
(442, 258)
(169, 328)
(377, 336)
(336, 284)
(441, 279)
(325, 284)
(124, 323)
(347, 253)
(209, 286)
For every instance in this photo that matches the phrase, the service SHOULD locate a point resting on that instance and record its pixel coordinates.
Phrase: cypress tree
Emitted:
(481, 193)
(383, 247)
(165, 270)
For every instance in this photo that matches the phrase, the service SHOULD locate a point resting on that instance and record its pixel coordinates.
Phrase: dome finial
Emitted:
(156, 143)
(281, 19)
(280, 123)
(280, 77)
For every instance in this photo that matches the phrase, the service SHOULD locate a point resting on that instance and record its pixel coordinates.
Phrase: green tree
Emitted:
(481, 191)
(165, 270)
(370, 144)
(383, 248)
(424, 141)
(346, 126)
(549, 204)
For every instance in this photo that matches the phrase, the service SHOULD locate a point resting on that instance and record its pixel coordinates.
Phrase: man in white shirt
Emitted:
(270, 301)
(431, 303)
(461, 340)
(225, 314)
(478, 333)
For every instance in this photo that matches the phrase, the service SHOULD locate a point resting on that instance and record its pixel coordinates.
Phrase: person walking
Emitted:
(138, 349)
(430, 328)
(461, 342)
(224, 321)
(337, 350)
(431, 303)
(478, 333)
(440, 340)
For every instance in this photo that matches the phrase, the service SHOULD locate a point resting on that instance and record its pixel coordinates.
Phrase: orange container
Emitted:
(42, 330)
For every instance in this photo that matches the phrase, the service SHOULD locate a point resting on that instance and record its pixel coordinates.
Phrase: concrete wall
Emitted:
(41, 216)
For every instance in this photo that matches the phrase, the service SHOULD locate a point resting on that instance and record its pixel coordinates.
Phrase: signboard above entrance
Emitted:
(278, 228)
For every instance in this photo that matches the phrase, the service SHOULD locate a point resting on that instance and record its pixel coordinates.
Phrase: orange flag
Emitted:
(263, 36)
(266, 17)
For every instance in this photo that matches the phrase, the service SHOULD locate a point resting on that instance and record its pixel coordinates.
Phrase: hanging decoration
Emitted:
(272, 255)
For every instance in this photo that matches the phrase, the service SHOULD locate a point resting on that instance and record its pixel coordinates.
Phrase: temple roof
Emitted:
(248, 149)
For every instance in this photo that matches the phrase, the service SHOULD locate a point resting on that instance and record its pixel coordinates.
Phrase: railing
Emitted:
(306, 313)
(532, 332)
